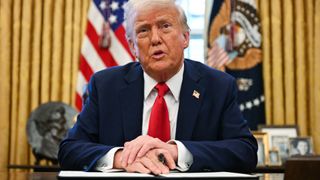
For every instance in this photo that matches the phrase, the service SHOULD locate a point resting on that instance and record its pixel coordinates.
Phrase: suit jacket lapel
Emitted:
(131, 100)
(189, 102)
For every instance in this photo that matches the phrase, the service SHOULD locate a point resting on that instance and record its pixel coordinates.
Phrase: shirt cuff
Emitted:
(105, 163)
(185, 158)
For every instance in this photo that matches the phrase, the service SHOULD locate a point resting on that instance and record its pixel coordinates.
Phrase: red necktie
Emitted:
(159, 125)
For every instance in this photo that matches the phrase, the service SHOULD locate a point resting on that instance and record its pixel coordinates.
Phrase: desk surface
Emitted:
(52, 168)
(23, 175)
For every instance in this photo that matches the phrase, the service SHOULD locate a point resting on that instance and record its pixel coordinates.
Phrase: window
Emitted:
(195, 12)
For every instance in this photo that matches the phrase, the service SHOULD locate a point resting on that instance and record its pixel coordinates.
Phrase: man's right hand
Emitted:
(147, 164)
(140, 146)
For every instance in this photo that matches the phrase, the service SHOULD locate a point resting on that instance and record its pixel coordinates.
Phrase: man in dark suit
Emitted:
(199, 126)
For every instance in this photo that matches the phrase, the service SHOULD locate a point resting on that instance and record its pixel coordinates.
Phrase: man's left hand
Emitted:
(138, 147)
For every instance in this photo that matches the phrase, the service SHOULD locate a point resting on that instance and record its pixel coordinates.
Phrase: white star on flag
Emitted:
(112, 19)
(114, 5)
(103, 5)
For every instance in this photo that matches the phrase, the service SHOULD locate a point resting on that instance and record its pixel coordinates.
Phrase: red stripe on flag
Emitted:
(222, 58)
(120, 33)
(85, 68)
(78, 102)
(103, 53)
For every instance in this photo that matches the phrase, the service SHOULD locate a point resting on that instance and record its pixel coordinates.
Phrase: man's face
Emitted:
(302, 146)
(158, 41)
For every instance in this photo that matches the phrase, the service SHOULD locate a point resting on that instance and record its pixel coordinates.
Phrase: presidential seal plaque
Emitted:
(46, 127)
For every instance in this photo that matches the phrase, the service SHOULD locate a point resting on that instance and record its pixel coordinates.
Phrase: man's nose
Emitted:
(155, 36)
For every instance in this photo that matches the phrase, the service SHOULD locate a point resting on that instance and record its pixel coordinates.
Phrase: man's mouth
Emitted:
(158, 54)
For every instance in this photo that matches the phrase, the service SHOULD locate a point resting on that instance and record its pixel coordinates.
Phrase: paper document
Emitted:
(75, 174)
(207, 174)
(82, 174)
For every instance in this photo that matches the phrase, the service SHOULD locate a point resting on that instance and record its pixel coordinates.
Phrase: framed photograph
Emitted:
(289, 131)
(274, 158)
(300, 146)
(263, 147)
(281, 144)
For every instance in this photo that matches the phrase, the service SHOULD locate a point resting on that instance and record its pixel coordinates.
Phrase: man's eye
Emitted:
(143, 32)
(166, 25)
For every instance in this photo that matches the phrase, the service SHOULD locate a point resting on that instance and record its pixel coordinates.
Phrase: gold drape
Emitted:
(39, 56)
(5, 80)
(315, 101)
(291, 64)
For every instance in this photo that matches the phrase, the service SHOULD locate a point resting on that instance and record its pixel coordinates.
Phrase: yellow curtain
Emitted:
(291, 64)
(39, 56)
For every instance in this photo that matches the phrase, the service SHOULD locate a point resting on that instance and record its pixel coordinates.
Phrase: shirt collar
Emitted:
(174, 84)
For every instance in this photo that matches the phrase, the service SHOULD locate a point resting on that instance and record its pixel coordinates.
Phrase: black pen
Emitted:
(162, 159)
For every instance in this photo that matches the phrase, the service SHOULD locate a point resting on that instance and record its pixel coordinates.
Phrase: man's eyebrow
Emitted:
(141, 25)
(163, 21)
(165, 18)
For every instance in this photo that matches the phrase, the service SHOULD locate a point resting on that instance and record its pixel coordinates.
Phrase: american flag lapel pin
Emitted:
(196, 94)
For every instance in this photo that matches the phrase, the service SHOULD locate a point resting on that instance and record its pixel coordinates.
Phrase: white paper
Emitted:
(170, 175)
(101, 174)
(207, 174)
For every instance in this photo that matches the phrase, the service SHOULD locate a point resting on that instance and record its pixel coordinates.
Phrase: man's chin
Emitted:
(162, 75)
(161, 66)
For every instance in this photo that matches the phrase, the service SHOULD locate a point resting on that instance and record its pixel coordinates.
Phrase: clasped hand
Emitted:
(142, 155)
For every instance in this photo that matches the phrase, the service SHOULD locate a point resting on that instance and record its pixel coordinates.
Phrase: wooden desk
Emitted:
(24, 175)
(28, 172)
(303, 168)
(269, 169)
(262, 169)
(35, 168)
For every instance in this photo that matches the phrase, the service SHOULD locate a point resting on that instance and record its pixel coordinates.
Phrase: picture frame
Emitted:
(274, 157)
(291, 131)
(301, 146)
(281, 144)
(263, 147)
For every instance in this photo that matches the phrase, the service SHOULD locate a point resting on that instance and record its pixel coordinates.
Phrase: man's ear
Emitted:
(131, 45)
(186, 36)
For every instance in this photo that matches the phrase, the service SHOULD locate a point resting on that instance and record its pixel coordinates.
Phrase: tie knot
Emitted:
(162, 89)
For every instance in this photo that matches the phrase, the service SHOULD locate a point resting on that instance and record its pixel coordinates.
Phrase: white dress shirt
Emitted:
(185, 158)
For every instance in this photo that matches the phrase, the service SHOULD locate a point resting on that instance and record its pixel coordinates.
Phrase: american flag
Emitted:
(234, 34)
(217, 56)
(104, 44)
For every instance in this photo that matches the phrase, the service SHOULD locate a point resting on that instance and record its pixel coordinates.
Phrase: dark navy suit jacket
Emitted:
(211, 126)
